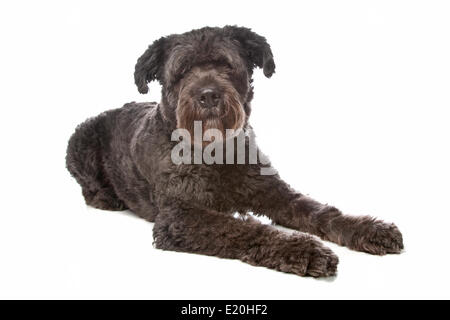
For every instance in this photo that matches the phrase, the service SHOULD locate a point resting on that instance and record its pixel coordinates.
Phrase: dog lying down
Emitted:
(191, 161)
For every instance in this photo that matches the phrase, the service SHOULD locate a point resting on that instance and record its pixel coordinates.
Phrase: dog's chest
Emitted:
(219, 187)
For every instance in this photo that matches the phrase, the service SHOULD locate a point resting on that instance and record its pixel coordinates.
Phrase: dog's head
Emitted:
(206, 75)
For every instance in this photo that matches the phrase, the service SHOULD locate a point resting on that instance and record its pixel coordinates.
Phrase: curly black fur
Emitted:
(121, 159)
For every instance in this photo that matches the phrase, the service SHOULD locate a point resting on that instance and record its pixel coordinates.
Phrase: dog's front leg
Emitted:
(180, 228)
(274, 198)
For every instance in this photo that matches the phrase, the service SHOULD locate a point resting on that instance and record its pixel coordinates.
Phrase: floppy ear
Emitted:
(149, 66)
(257, 49)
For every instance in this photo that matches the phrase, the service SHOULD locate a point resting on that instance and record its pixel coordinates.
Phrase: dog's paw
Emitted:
(322, 262)
(309, 258)
(377, 237)
(299, 254)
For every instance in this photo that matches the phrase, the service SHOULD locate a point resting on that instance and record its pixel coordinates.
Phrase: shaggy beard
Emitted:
(230, 116)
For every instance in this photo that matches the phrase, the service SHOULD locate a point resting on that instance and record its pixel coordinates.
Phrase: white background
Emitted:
(357, 115)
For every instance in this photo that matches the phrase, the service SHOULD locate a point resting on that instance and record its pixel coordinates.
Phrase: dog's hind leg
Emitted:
(84, 162)
(103, 198)
(216, 234)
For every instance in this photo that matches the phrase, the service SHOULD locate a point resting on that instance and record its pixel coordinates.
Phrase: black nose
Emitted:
(209, 97)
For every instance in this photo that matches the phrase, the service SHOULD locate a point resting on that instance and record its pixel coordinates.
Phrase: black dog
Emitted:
(123, 159)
